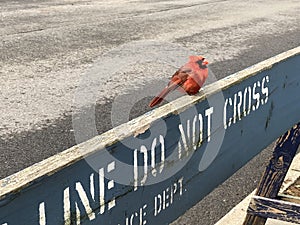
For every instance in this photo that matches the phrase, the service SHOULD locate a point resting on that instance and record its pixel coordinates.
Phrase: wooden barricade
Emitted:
(266, 203)
(155, 167)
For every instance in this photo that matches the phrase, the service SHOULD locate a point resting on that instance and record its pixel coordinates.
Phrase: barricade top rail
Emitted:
(53, 164)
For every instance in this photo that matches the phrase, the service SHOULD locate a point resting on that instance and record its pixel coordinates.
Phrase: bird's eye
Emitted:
(202, 64)
(199, 62)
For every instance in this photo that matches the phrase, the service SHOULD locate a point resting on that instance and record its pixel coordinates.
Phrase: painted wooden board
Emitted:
(275, 209)
(130, 175)
(284, 152)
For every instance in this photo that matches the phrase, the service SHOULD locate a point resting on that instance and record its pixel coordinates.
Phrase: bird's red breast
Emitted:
(190, 77)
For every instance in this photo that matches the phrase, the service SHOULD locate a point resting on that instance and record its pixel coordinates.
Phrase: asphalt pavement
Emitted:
(47, 47)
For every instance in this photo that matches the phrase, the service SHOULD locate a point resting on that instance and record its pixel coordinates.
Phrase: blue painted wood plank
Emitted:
(275, 209)
(273, 177)
(131, 175)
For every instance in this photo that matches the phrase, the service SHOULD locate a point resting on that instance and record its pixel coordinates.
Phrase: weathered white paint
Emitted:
(67, 206)
(84, 199)
(166, 197)
(208, 114)
(102, 191)
(42, 214)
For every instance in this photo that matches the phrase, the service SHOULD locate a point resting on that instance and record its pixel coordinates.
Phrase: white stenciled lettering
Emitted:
(153, 154)
(166, 194)
(102, 190)
(138, 217)
(143, 214)
(163, 154)
(154, 166)
(92, 186)
(84, 199)
(111, 184)
(144, 151)
(256, 95)
(135, 169)
(208, 114)
(265, 90)
(227, 122)
(87, 197)
(230, 120)
(234, 109)
(237, 106)
(200, 117)
(165, 199)
(247, 108)
(157, 204)
(42, 213)
(225, 114)
(77, 214)
(192, 137)
(246, 101)
(180, 182)
(102, 187)
(173, 191)
(67, 206)
(183, 138)
(195, 134)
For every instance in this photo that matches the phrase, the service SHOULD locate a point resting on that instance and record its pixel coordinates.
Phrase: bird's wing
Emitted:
(180, 77)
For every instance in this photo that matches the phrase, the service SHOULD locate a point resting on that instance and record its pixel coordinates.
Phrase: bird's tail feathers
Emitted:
(159, 98)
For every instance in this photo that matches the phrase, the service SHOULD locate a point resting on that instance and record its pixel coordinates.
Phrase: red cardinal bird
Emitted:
(190, 77)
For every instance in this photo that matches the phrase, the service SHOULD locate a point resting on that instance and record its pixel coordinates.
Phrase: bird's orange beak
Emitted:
(203, 59)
